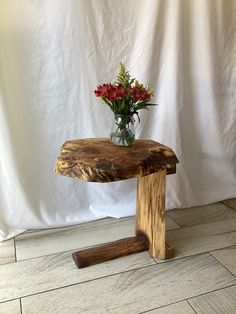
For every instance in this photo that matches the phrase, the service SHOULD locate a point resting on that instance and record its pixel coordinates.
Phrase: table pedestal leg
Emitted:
(150, 215)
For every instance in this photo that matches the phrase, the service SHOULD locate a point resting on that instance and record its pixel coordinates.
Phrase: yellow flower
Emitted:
(137, 84)
(150, 91)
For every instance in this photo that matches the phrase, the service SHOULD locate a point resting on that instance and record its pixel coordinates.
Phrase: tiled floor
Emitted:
(38, 275)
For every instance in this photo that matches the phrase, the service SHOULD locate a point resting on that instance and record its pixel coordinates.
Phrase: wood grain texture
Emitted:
(43, 242)
(58, 270)
(202, 238)
(231, 203)
(11, 307)
(150, 213)
(109, 251)
(177, 308)
(218, 302)
(7, 252)
(135, 291)
(201, 214)
(98, 160)
(227, 257)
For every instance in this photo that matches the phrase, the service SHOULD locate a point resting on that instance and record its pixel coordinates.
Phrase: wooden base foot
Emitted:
(109, 251)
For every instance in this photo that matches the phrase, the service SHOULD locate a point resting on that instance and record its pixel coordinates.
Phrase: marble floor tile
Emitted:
(11, 307)
(227, 257)
(218, 302)
(44, 242)
(177, 308)
(135, 291)
(59, 270)
(7, 252)
(230, 202)
(202, 238)
(202, 214)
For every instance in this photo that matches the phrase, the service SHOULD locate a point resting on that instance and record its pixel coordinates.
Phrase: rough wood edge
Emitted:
(110, 251)
(77, 160)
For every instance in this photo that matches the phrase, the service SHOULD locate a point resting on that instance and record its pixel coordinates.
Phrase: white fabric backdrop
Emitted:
(52, 56)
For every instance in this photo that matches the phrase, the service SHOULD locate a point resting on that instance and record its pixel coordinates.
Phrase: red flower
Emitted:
(111, 92)
(126, 96)
(102, 90)
(139, 93)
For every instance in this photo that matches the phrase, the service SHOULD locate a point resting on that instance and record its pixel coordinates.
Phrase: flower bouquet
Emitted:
(125, 97)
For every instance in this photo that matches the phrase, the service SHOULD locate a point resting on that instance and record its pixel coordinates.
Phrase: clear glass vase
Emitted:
(123, 132)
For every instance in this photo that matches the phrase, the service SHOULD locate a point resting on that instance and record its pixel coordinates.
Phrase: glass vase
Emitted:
(123, 132)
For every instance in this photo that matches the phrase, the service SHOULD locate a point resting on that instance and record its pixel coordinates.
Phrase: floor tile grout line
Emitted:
(58, 253)
(79, 283)
(67, 251)
(212, 291)
(221, 264)
(231, 207)
(21, 307)
(161, 307)
(181, 228)
(133, 269)
(14, 242)
(176, 228)
(111, 275)
(191, 306)
(82, 226)
(152, 257)
(10, 300)
(82, 248)
(193, 255)
(201, 224)
(73, 250)
(181, 300)
(123, 218)
(76, 249)
(108, 218)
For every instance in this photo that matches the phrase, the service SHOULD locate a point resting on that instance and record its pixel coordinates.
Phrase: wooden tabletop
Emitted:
(98, 160)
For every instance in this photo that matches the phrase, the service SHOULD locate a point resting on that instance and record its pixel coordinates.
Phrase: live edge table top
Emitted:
(98, 160)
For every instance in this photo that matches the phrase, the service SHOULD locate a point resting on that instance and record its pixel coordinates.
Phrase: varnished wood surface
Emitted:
(33, 278)
(150, 213)
(98, 160)
(109, 251)
(30, 245)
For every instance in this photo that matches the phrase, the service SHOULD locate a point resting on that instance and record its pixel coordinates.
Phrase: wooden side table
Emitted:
(98, 160)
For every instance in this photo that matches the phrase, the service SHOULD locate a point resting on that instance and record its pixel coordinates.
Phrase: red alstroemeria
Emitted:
(126, 95)
(102, 90)
(111, 92)
(139, 93)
